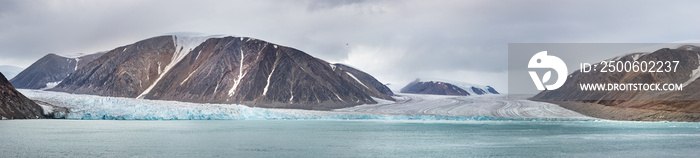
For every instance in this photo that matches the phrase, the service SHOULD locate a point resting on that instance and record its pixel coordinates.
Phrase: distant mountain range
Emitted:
(446, 87)
(208, 69)
(636, 105)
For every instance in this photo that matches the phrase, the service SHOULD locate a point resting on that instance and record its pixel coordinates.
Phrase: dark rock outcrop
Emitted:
(443, 87)
(14, 105)
(50, 69)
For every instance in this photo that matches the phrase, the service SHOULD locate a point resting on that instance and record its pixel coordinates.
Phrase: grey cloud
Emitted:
(414, 38)
(315, 5)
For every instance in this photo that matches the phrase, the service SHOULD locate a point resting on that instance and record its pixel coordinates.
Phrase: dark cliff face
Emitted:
(679, 101)
(14, 105)
(233, 70)
(437, 88)
(50, 69)
(122, 72)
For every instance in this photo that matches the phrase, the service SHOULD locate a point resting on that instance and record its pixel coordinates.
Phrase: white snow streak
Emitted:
(336, 95)
(217, 87)
(358, 81)
(232, 91)
(268, 78)
(188, 77)
(76, 63)
(197, 57)
(271, 72)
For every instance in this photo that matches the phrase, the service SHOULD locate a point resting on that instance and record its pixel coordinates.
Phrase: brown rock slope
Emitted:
(14, 105)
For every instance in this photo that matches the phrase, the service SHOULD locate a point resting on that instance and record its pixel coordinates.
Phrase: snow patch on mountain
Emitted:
(51, 85)
(232, 91)
(358, 81)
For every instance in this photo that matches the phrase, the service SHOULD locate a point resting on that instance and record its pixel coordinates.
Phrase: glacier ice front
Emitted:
(90, 107)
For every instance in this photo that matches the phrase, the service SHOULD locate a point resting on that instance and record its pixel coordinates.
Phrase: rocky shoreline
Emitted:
(626, 114)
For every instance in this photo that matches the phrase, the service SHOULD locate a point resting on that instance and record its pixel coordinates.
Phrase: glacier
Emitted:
(91, 107)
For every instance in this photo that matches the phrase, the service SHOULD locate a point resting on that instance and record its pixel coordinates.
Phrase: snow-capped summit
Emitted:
(446, 87)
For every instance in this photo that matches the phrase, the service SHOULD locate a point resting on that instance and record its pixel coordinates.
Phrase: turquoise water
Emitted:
(323, 138)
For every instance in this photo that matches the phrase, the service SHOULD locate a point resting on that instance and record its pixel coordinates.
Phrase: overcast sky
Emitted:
(395, 41)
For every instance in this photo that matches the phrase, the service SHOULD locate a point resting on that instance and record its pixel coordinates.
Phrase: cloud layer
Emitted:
(396, 41)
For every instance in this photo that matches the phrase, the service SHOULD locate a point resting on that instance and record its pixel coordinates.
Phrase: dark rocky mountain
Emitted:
(444, 87)
(10, 71)
(637, 105)
(14, 105)
(215, 69)
(50, 70)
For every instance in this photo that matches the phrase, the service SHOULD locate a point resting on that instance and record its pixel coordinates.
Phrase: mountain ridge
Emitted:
(446, 87)
(235, 70)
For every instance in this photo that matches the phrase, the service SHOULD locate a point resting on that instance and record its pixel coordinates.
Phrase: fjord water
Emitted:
(338, 138)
